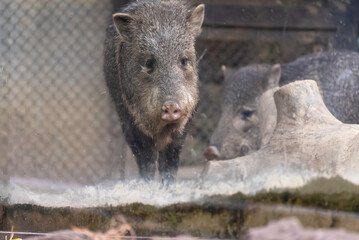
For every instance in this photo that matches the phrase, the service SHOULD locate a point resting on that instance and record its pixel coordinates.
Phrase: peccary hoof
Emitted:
(167, 181)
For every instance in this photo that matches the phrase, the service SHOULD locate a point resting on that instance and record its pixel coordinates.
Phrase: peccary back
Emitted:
(337, 74)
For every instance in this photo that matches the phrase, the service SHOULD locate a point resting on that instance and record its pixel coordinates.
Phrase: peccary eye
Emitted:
(247, 114)
(184, 61)
(150, 64)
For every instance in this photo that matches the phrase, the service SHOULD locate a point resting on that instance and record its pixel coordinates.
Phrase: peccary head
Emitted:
(158, 67)
(241, 127)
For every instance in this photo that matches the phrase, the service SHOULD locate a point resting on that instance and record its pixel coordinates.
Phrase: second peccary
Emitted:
(151, 72)
(238, 131)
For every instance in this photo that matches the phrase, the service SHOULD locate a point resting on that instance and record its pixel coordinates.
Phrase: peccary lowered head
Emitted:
(151, 72)
(246, 122)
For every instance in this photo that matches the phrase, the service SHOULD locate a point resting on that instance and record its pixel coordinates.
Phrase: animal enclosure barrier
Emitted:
(56, 114)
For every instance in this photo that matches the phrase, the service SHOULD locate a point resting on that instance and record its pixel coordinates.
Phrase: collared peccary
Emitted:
(238, 132)
(151, 71)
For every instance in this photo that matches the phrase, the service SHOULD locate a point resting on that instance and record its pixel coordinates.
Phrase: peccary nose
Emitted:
(211, 153)
(171, 111)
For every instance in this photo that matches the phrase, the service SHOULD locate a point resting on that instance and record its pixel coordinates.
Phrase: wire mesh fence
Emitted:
(56, 112)
(56, 117)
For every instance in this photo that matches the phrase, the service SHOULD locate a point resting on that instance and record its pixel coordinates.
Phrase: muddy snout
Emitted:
(211, 153)
(171, 111)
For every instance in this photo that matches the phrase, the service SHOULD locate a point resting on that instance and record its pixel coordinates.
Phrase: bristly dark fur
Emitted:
(163, 31)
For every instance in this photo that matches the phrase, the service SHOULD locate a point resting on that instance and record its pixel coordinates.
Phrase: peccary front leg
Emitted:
(143, 149)
(146, 159)
(168, 163)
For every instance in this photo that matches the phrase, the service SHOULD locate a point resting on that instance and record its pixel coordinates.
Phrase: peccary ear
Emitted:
(274, 76)
(196, 18)
(122, 22)
(226, 71)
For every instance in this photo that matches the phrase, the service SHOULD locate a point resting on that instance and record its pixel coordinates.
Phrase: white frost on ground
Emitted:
(124, 192)
(109, 193)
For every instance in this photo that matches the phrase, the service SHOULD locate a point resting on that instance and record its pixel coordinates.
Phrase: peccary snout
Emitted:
(171, 111)
(211, 153)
